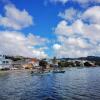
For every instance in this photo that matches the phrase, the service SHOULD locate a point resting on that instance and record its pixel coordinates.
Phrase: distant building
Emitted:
(5, 63)
(18, 64)
(34, 62)
(31, 63)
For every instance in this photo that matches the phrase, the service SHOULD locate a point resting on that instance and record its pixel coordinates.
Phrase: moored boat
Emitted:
(40, 72)
(58, 71)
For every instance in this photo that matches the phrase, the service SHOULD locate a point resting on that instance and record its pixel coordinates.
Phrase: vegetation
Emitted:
(4, 69)
(43, 64)
(76, 64)
(66, 64)
(97, 63)
(14, 58)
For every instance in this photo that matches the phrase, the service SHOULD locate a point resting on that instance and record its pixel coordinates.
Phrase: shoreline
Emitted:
(18, 70)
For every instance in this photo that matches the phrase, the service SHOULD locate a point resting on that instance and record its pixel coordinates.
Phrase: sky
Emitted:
(48, 28)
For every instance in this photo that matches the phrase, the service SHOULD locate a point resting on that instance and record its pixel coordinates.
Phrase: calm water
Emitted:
(75, 84)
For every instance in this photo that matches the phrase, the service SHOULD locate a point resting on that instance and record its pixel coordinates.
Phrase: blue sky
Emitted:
(47, 28)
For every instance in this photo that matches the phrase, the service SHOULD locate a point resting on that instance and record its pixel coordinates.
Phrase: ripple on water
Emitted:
(75, 84)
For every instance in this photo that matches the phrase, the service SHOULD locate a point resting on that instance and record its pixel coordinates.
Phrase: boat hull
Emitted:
(58, 71)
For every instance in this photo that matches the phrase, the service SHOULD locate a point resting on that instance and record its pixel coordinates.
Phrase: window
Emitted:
(3, 62)
(7, 62)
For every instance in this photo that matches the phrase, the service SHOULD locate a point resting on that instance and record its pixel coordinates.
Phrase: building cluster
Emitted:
(33, 63)
(26, 63)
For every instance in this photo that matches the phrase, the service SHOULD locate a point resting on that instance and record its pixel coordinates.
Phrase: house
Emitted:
(27, 66)
(34, 62)
(19, 64)
(31, 63)
(5, 63)
(26, 63)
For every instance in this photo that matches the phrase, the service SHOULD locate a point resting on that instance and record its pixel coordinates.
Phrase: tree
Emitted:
(43, 64)
(87, 64)
(77, 63)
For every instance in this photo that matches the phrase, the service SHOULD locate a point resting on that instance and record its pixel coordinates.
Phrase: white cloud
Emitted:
(78, 42)
(92, 15)
(56, 46)
(60, 1)
(63, 28)
(70, 14)
(78, 1)
(36, 40)
(86, 1)
(16, 43)
(39, 54)
(15, 18)
(80, 38)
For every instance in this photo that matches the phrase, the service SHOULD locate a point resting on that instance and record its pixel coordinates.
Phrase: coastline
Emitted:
(29, 70)
(19, 70)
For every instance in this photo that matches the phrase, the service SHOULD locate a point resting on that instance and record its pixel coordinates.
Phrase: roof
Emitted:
(34, 60)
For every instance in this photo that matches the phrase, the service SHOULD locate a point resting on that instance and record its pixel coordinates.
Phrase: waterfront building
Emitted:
(31, 63)
(34, 62)
(5, 63)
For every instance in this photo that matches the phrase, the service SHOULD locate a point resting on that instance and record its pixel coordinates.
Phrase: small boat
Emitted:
(40, 73)
(32, 72)
(58, 71)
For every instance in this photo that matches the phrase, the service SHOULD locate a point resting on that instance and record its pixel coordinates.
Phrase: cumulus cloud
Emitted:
(81, 38)
(15, 19)
(78, 42)
(92, 15)
(56, 46)
(37, 40)
(17, 44)
(70, 14)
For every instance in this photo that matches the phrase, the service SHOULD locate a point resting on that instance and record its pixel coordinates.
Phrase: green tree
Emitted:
(43, 64)
(87, 64)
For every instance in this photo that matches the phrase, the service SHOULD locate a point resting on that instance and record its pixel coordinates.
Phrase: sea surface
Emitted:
(74, 84)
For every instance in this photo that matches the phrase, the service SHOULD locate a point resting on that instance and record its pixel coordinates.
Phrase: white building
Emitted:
(34, 62)
(5, 63)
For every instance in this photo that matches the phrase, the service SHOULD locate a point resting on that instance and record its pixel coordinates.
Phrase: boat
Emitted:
(58, 71)
(56, 67)
(40, 73)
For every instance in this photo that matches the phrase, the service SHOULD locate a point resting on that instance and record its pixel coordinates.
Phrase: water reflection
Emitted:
(75, 84)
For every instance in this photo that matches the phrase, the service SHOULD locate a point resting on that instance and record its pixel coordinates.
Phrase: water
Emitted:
(75, 84)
